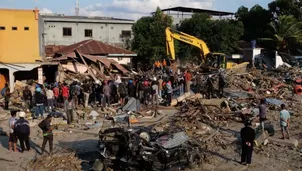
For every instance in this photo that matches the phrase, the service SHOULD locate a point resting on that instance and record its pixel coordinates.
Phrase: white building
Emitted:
(67, 30)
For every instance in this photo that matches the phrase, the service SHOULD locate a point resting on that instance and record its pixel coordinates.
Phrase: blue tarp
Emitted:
(274, 101)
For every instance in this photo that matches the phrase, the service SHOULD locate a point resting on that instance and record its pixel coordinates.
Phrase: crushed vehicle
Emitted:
(142, 149)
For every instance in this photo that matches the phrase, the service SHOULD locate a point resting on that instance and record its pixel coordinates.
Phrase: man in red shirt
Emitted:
(56, 93)
(65, 92)
(188, 78)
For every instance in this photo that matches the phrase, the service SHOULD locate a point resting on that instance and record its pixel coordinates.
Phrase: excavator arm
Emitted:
(194, 41)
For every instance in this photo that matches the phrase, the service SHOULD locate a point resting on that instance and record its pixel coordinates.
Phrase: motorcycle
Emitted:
(143, 150)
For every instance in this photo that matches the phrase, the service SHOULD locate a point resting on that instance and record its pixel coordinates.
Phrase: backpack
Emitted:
(42, 125)
(3, 91)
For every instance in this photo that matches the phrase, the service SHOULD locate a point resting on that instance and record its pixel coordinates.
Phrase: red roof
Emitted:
(93, 47)
(51, 49)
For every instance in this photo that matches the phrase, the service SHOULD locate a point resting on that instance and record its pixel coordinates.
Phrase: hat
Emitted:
(38, 89)
(49, 116)
(22, 114)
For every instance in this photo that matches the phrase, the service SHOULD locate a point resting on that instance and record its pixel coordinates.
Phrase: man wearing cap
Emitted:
(247, 139)
(39, 101)
(47, 134)
(22, 130)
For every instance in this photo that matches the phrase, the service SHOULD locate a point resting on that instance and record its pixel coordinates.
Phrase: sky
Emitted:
(127, 9)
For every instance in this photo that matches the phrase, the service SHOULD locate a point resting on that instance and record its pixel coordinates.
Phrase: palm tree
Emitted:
(284, 31)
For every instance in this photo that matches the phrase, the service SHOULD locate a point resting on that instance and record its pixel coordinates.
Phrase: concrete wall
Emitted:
(19, 46)
(19, 67)
(102, 30)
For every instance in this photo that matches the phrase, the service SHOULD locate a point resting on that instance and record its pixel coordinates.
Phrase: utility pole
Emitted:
(77, 8)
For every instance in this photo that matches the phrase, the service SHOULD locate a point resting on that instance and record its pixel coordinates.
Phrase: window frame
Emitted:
(91, 34)
(65, 35)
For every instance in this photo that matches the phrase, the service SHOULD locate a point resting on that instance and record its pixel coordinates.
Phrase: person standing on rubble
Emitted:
(188, 78)
(12, 141)
(69, 107)
(169, 92)
(122, 90)
(47, 134)
(86, 91)
(5, 92)
(50, 99)
(284, 121)
(22, 130)
(154, 92)
(247, 143)
(198, 82)
(209, 87)
(160, 87)
(221, 84)
(65, 92)
(56, 93)
(131, 89)
(39, 102)
(262, 113)
(146, 90)
(107, 93)
(27, 97)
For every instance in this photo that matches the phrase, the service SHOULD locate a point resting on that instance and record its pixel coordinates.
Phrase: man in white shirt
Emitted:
(50, 99)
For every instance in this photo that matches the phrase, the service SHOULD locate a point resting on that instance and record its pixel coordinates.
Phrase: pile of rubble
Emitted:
(56, 162)
(277, 83)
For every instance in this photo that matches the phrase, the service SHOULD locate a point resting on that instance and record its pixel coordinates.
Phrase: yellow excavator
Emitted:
(217, 60)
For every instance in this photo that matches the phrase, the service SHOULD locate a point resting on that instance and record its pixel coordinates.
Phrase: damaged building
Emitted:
(91, 58)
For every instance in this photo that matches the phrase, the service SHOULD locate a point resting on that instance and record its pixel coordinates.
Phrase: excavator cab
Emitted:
(217, 60)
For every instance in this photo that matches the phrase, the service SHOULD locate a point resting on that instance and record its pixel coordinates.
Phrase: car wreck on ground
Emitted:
(143, 149)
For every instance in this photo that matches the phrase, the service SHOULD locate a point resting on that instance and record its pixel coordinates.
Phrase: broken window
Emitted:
(26, 28)
(14, 28)
(67, 31)
(126, 34)
(2, 28)
(88, 33)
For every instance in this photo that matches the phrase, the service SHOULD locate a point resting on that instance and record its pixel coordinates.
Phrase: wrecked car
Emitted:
(144, 150)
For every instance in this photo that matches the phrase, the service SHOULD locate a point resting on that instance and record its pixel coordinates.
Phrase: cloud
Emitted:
(45, 11)
(134, 9)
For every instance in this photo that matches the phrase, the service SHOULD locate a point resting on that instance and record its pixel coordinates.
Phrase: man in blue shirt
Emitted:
(284, 120)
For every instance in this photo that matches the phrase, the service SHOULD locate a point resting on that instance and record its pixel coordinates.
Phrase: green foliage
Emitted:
(254, 20)
(286, 7)
(284, 32)
(219, 35)
(149, 36)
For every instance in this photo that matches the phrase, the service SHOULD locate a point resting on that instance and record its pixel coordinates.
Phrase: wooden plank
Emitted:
(287, 142)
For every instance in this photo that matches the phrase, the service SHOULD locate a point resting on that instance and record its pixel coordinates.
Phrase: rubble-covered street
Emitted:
(198, 133)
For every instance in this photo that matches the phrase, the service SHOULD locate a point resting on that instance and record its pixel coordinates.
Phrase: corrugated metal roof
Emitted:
(51, 49)
(198, 10)
(93, 47)
(107, 62)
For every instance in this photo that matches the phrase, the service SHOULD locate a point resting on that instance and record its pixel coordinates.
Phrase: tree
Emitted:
(254, 20)
(286, 7)
(149, 36)
(219, 35)
(285, 32)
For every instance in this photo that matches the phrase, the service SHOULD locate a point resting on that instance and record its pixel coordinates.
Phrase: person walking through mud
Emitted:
(247, 139)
